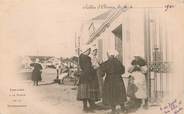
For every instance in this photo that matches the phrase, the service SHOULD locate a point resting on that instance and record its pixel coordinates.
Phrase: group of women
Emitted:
(113, 91)
(103, 80)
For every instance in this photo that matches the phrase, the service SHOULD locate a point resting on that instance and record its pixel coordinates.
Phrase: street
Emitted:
(52, 98)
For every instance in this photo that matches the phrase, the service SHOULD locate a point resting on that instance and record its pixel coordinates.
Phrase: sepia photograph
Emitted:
(91, 57)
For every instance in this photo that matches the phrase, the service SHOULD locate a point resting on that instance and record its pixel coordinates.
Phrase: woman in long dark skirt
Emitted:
(36, 74)
(114, 92)
(97, 80)
(87, 91)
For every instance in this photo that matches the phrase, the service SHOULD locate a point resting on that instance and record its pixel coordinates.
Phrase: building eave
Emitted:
(105, 25)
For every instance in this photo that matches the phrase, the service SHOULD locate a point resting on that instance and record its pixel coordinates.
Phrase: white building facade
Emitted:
(141, 32)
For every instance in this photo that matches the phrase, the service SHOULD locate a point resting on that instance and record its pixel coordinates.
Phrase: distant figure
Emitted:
(58, 70)
(37, 71)
(64, 74)
(114, 92)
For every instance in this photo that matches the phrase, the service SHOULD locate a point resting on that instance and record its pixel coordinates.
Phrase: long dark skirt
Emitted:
(114, 92)
(36, 76)
(133, 104)
(88, 91)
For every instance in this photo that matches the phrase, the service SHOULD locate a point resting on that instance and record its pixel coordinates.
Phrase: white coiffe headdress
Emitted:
(112, 52)
(37, 60)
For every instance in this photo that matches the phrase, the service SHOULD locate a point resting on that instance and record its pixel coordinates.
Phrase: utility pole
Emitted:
(77, 51)
(147, 49)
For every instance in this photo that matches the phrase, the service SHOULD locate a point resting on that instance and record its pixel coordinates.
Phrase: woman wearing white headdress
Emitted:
(87, 91)
(96, 64)
(114, 92)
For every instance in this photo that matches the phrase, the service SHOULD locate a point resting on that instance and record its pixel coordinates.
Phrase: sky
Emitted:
(45, 27)
(42, 27)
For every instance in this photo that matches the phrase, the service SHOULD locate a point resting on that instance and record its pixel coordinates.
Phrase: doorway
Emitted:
(118, 41)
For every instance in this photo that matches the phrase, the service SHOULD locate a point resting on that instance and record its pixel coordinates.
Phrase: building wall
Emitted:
(132, 36)
(162, 29)
(174, 25)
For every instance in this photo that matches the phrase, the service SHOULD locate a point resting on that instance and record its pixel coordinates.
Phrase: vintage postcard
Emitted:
(91, 56)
